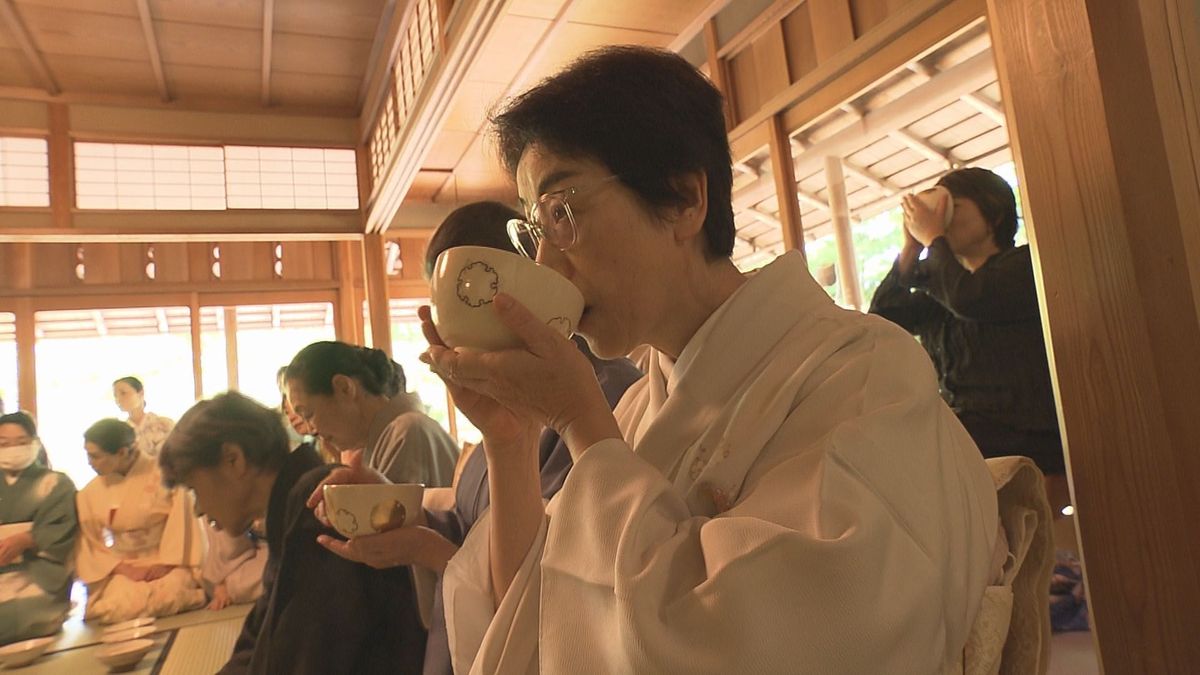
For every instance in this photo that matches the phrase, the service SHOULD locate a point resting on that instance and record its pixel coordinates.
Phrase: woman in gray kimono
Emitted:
(37, 534)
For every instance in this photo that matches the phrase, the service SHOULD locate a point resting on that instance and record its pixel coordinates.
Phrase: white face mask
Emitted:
(19, 457)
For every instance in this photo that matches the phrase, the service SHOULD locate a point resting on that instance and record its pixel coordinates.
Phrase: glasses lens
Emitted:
(524, 237)
(554, 216)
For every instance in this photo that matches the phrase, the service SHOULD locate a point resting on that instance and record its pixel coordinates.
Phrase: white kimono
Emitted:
(133, 518)
(151, 432)
(792, 496)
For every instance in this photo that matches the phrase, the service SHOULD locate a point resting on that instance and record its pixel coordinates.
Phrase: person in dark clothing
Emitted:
(974, 306)
(477, 224)
(318, 613)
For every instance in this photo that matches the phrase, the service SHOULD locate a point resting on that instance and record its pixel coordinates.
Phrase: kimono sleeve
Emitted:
(55, 524)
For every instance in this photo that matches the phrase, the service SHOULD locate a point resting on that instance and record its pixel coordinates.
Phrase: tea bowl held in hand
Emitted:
(935, 196)
(466, 280)
(124, 655)
(357, 510)
(24, 652)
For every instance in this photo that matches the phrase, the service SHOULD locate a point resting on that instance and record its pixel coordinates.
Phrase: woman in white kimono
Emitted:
(141, 543)
(233, 566)
(785, 492)
(151, 429)
(37, 535)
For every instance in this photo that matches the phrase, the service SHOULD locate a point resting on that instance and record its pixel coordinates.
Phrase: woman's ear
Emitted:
(233, 458)
(689, 216)
(345, 386)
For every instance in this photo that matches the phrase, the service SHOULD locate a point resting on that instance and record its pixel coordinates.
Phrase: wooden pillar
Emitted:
(21, 262)
(377, 294)
(26, 355)
(1099, 127)
(347, 326)
(717, 69)
(231, 347)
(197, 368)
(839, 211)
(61, 166)
(784, 171)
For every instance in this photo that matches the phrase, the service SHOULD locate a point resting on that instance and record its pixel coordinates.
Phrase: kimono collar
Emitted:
(397, 406)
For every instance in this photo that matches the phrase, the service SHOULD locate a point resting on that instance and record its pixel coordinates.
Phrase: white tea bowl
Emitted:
(466, 280)
(356, 510)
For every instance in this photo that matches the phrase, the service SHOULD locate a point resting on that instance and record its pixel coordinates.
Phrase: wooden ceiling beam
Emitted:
(268, 29)
(697, 24)
(156, 62)
(20, 34)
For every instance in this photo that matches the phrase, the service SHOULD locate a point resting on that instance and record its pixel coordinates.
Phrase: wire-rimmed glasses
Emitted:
(550, 220)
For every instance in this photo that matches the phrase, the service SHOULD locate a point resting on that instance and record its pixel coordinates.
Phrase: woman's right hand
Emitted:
(502, 427)
(352, 474)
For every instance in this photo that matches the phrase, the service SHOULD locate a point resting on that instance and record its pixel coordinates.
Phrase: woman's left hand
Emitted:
(401, 546)
(547, 380)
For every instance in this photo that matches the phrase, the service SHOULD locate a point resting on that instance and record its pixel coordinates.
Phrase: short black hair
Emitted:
(110, 435)
(475, 224)
(994, 197)
(198, 438)
(315, 365)
(131, 381)
(21, 419)
(646, 114)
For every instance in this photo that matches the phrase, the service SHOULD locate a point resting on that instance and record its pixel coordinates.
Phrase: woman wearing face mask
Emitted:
(142, 544)
(151, 429)
(37, 533)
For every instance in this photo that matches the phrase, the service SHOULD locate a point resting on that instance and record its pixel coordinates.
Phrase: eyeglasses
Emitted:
(549, 219)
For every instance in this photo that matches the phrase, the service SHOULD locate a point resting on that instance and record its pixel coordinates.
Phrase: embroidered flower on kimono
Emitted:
(722, 500)
(478, 283)
(698, 463)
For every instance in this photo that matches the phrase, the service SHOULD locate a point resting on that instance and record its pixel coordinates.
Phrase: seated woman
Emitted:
(141, 543)
(355, 398)
(151, 429)
(37, 535)
(318, 613)
(785, 491)
(233, 566)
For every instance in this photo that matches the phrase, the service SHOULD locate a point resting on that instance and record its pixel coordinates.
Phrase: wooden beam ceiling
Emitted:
(156, 62)
(10, 18)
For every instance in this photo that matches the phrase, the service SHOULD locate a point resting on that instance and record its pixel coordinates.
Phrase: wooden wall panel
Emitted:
(246, 261)
(199, 258)
(836, 26)
(758, 72)
(103, 263)
(412, 258)
(743, 85)
(771, 62)
(866, 14)
(133, 264)
(171, 264)
(55, 266)
(322, 257)
(798, 39)
(297, 260)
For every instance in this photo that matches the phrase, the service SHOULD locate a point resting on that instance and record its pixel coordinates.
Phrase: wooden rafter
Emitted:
(156, 62)
(267, 34)
(20, 34)
(697, 24)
